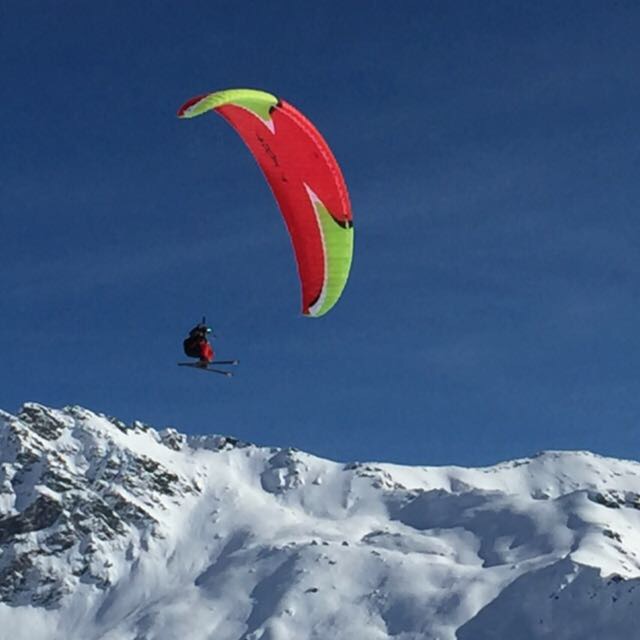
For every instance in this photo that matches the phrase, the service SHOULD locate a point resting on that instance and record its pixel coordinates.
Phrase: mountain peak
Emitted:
(110, 530)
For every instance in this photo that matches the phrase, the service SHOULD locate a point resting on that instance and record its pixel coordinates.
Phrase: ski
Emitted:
(220, 371)
(197, 366)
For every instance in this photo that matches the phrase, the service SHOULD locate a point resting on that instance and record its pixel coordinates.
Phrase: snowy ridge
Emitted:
(118, 532)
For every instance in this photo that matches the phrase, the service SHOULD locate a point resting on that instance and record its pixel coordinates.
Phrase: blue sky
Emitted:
(492, 152)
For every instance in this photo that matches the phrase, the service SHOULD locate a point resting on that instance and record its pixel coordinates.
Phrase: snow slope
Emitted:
(118, 532)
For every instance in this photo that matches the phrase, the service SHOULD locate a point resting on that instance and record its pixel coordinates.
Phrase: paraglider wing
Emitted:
(306, 182)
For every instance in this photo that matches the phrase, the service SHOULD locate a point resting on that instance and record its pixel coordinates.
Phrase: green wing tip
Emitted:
(259, 102)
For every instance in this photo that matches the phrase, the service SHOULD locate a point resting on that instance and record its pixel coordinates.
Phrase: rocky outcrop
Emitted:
(67, 489)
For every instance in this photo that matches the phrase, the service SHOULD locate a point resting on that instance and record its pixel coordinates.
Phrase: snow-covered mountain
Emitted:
(118, 532)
